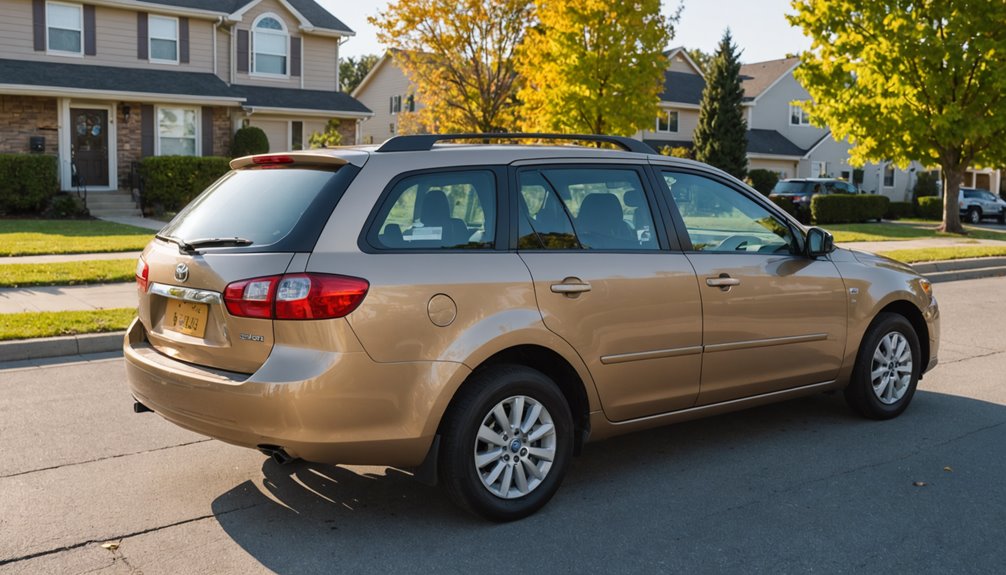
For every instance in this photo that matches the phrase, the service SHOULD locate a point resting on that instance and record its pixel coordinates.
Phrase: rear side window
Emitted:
(445, 210)
(284, 209)
(596, 209)
(791, 188)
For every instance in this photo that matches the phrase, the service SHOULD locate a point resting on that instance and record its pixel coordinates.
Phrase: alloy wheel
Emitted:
(891, 368)
(515, 447)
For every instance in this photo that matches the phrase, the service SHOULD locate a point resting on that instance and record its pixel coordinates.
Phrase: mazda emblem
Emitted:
(181, 272)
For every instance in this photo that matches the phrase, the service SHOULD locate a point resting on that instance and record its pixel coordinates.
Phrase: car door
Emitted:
(607, 283)
(772, 319)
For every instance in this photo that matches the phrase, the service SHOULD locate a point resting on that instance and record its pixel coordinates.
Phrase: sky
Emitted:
(759, 27)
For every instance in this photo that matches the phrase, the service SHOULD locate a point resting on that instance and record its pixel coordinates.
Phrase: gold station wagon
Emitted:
(478, 312)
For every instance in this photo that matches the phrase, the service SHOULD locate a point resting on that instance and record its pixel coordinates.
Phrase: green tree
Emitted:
(702, 59)
(460, 55)
(721, 134)
(910, 80)
(327, 139)
(352, 71)
(594, 66)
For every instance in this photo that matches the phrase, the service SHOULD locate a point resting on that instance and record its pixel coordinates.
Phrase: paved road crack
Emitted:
(972, 357)
(124, 536)
(71, 464)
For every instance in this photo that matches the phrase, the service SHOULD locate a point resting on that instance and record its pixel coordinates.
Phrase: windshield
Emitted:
(260, 207)
(791, 188)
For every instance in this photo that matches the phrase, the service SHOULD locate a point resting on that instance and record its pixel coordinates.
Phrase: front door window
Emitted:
(89, 147)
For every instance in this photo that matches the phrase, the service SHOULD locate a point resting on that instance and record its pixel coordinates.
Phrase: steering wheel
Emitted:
(736, 243)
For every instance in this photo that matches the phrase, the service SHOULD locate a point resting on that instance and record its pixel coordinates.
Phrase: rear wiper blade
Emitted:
(218, 242)
(182, 244)
(191, 245)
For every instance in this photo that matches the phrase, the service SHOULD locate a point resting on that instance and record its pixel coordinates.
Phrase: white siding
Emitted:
(247, 19)
(688, 120)
(785, 168)
(772, 113)
(386, 82)
(320, 62)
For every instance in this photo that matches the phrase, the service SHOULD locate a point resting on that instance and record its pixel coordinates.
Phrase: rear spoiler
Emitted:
(307, 158)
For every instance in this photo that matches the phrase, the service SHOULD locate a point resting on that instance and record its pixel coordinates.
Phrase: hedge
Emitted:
(847, 208)
(763, 180)
(899, 210)
(170, 182)
(249, 140)
(929, 208)
(27, 182)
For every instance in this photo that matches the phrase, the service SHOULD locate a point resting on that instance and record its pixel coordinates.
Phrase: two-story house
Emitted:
(103, 83)
(389, 92)
(780, 136)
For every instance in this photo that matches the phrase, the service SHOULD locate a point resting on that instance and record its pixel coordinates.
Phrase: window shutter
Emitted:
(295, 56)
(207, 131)
(90, 42)
(146, 130)
(242, 50)
(141, 36)
(38, 24)
(183, 40)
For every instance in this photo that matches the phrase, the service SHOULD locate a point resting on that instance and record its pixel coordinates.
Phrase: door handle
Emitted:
(570, 289)
(724, 282)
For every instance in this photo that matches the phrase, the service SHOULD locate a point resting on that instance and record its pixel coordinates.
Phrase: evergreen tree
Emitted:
(721, 134)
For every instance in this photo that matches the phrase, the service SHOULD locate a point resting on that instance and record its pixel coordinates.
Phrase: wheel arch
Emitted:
(911, 312)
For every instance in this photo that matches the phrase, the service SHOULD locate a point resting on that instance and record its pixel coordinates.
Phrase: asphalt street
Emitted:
(87, 486)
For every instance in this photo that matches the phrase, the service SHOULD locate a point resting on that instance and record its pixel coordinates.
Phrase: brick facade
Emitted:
(128, 141)
(222, 134)
(22, 117)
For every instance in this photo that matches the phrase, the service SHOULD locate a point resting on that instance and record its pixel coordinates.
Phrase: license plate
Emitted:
(186, 317)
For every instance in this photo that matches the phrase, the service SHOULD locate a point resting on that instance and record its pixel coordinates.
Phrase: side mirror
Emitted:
(819, 242)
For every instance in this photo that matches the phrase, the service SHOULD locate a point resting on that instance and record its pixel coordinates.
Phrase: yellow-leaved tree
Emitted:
(460, 55)
(594, 66)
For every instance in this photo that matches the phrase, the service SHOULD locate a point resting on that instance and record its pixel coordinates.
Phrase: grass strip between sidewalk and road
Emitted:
(38, 237)
(67, 273)
(886, 231)
(30, 325)
(951, 253)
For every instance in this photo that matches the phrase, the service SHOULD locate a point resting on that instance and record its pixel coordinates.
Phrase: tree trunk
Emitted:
(952, 178)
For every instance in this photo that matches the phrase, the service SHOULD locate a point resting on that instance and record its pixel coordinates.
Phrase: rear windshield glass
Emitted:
(791, 188)
(263, 206)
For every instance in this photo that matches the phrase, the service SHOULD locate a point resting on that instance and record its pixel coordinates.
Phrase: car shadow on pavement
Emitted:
(778, 479)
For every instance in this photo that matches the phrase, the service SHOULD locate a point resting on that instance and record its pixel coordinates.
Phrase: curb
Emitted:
(963, 269)
(47, 347)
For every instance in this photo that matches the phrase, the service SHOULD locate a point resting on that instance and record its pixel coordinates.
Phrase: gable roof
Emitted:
(680, 51)
(313, 13)
(772, 143)
(758, 78)
(682, 87)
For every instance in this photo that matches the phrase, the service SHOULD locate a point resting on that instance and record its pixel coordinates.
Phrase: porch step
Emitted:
(112, 204)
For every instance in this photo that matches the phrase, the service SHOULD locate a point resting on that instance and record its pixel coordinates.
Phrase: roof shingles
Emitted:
(318, 16)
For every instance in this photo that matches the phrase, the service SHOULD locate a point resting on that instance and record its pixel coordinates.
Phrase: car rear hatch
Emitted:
(210, 281)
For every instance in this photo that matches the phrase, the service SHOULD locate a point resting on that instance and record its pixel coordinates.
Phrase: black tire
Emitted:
(470, 409)
(974, 215)
(1002, 216)
(860, 394)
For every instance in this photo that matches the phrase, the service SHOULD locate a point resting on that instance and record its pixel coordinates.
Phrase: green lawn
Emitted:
(885, 231)
(951, 253)
(67, 273)
(36, 237)
(50, 324)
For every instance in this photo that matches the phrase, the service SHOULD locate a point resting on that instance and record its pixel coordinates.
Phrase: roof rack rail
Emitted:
(425, 142)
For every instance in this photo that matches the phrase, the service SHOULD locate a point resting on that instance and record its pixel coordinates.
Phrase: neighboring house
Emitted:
(780, 135)
(102, 84)
(390, 94)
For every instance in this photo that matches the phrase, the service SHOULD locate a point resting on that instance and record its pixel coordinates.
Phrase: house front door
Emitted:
(89, 146)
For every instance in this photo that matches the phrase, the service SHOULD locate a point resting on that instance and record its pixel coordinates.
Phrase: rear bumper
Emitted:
(321, 406)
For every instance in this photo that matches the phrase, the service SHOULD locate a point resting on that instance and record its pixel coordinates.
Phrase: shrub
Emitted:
(677, 152)
(249, 140)
(926, 184)
(65, 206)
(786, 204)
(27, 182)
(327, 139)
(898, 210)
(847, 208)
(929, 208)
(170, 182)
(763, 180)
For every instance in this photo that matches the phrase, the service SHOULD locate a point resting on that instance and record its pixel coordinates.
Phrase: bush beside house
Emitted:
(249, 140)
(763, 180)
(28, 182)
(171, 182)
(929, 208)
(843, 208)
(899, 210)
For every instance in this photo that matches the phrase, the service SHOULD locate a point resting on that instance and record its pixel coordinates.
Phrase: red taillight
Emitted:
(271, 160)
(296, 296)
(142, 275)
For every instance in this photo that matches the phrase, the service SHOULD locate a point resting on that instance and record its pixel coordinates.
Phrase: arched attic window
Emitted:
(270, 46)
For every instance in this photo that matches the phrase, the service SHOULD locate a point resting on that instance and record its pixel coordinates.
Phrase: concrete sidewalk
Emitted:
(148, 223)
(60, 258)
(67, 298)
(922, 243)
